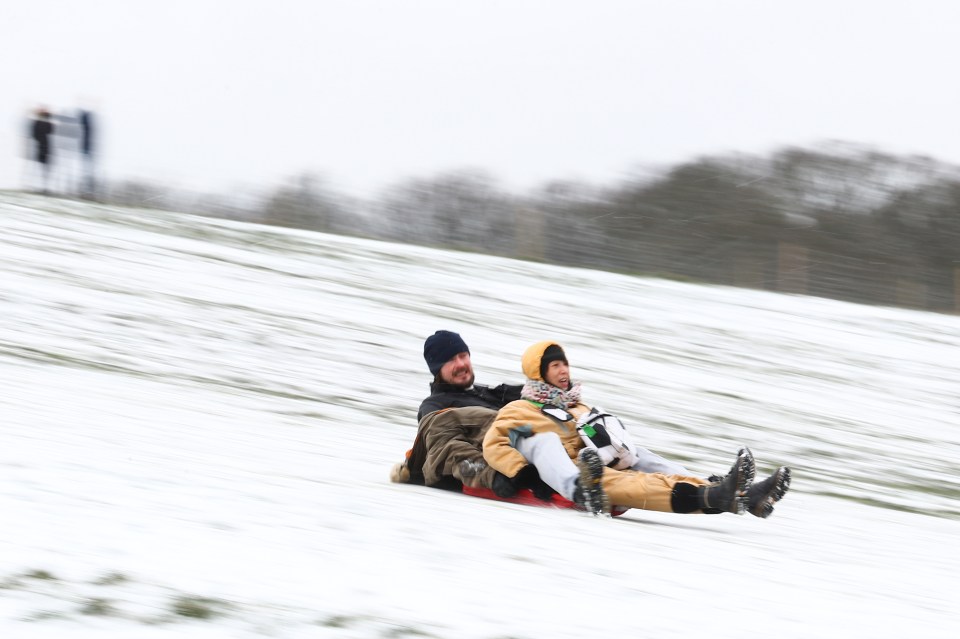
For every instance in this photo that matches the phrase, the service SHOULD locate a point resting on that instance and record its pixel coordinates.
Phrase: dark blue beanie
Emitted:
(441, 347)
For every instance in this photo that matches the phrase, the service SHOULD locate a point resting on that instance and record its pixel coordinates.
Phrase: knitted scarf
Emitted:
(544, 393)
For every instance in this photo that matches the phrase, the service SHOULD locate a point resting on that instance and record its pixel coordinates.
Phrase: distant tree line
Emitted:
(836, 221)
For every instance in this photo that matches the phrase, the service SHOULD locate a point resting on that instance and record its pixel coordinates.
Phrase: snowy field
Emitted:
(198, 418)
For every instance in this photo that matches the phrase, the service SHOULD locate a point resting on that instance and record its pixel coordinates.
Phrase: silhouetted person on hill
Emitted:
(41, 131)
(85, 121)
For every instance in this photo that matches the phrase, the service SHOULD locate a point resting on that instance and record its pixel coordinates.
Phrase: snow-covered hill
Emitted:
(197, 418)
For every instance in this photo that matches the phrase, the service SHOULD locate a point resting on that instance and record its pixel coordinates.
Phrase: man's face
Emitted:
(458, 370)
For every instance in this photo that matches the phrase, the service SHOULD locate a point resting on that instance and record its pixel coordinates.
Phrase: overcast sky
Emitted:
(223, 94)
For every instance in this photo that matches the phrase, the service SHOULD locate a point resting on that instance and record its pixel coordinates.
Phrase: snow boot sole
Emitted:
(590, 495)
(762, 496)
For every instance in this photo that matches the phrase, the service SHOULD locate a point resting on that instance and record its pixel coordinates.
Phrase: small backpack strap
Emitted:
(556, 413)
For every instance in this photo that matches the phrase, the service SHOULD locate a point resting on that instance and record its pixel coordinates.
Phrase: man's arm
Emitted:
(430, 405)
(501, 395)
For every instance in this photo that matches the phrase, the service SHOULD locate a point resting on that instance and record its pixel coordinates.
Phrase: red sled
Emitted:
(526, 497)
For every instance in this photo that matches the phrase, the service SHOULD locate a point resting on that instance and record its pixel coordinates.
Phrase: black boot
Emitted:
(763, 495)
(589, 494)
(728, 495)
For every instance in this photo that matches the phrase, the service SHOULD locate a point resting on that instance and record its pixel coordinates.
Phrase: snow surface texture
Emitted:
(198, 418)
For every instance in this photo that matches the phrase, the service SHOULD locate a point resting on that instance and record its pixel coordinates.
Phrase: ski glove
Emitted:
(528, 477)
(503, 486)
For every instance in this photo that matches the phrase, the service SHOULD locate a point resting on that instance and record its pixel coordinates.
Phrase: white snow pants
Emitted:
(557, 470)
(650, 462)
(547, 454)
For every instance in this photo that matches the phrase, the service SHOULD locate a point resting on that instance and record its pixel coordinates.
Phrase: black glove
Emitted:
(528, 477)
(542, 491)
(503, 486)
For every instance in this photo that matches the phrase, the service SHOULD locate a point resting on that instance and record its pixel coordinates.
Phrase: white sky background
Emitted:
(222, 94)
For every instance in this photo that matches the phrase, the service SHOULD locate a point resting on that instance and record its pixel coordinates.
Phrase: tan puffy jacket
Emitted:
(524, 418)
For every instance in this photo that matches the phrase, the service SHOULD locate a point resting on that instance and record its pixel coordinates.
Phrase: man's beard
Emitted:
(466, 384)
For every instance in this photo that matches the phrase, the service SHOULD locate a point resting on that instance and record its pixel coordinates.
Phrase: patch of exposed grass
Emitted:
(393, 632)
(199, 607)
(337, 621)
(39, 574)
(11, 583)
(725, 394)
(404, 631)
(98, 607)
(45, 615)
(112, 579)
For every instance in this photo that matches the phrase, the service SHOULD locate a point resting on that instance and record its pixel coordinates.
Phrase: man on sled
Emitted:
(453, 419)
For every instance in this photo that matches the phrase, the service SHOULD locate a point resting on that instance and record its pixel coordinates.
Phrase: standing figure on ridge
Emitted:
(41, 132)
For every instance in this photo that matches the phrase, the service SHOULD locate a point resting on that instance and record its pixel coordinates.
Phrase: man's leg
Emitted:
(650, 462)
